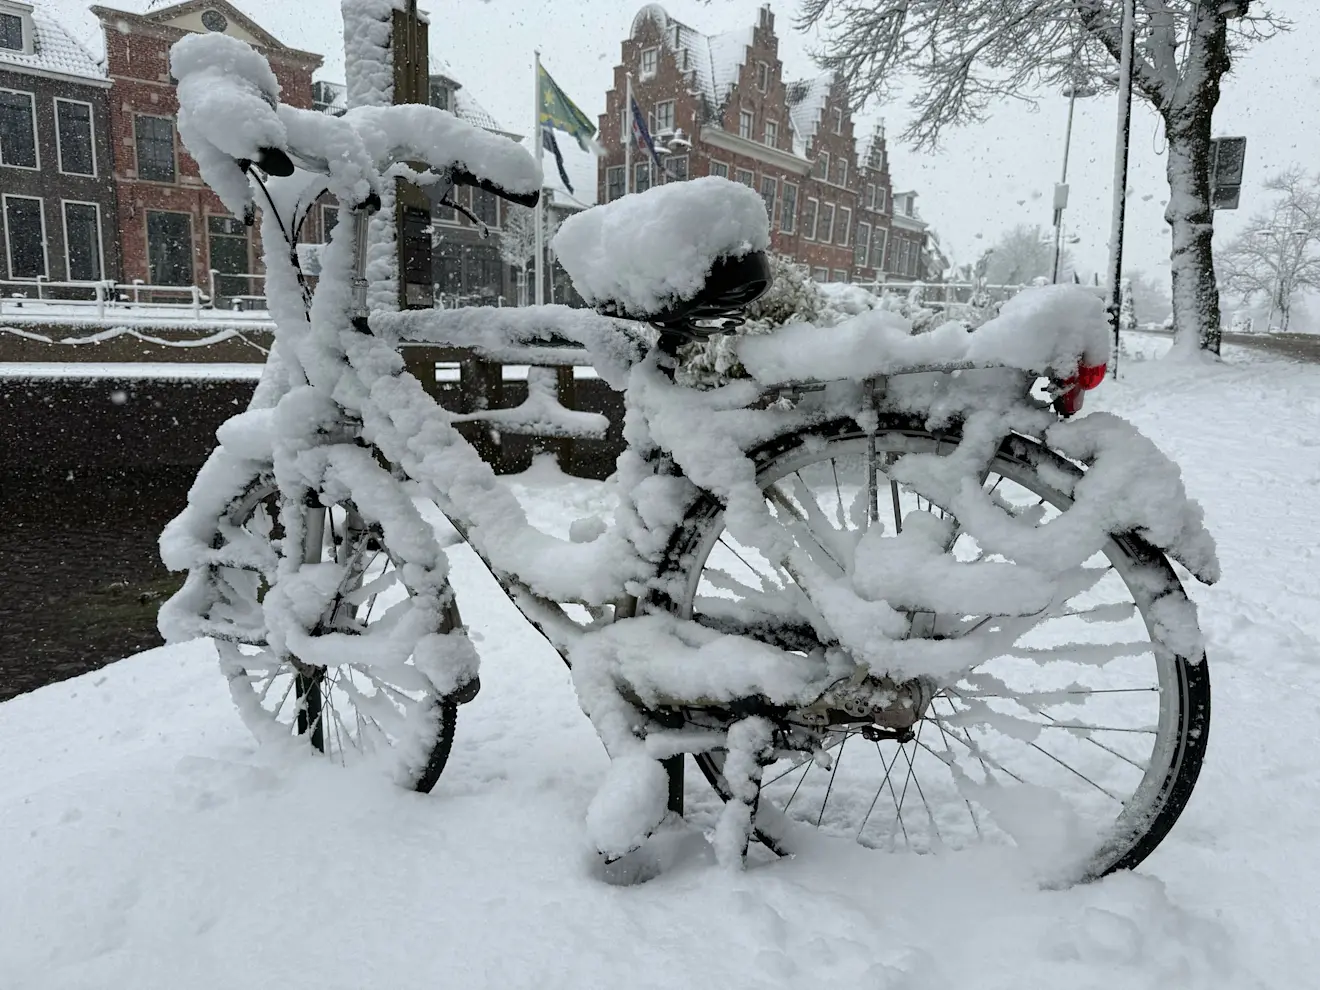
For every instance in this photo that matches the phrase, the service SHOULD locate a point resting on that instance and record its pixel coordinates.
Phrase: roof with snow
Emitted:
(713, 61)
(870, 150)
(54, 50)
(806, 102)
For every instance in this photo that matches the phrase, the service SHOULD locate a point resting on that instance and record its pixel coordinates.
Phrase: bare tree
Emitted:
(1022, 254)
(518, 242)
(1150, 296)
(1277, 255)
(967, 56)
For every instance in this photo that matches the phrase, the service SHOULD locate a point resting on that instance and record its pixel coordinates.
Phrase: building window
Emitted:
(809, 219)
(11, 32)
(863, 247)
(329, 221)
(845, 225)
(840, 275)
(825, 233)
(25, 233)
(486, 206)
(169, 248)
(902, 256)
(744, 176)
(440, 95)
(762, 76)
(673, 36)
(650, 59)
(228, 247)
(838, 120)
(823, 166)
(614, 182)
(843, 171)
(772, 133)
(155, 150)
(73, 135)
(880, 199)
(881, 239)
(676, 167)
(642, 177)
(720, 169)
(820, 274)
(18, 130)
(788, 208)
(870, 195)
(663, 116)
(769, 186)
(745, 121)
(213, 20)
(82, 241)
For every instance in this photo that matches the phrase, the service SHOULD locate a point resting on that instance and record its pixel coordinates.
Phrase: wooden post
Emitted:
(412, 207)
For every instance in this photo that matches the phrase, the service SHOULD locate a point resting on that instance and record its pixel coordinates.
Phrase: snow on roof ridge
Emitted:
(714, 60)
(55, 49)
(806, 100)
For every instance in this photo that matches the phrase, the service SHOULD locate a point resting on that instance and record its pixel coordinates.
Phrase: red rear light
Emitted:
(1090, 375)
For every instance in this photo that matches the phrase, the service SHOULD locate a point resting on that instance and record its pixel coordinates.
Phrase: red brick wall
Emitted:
(137, 61)
(769, 105)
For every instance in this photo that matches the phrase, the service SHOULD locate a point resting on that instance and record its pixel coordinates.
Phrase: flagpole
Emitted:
(628, 138)
(540, 200)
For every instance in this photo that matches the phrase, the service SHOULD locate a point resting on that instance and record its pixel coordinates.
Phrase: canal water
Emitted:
(90, 473)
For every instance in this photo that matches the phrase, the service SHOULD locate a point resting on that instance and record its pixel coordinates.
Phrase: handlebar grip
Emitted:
(273, 161)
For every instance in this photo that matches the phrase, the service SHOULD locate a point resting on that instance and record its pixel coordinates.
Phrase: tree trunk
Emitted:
(1196, 318)
(1188, 109)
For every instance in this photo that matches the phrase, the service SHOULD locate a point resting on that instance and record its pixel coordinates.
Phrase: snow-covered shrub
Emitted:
(793, 298)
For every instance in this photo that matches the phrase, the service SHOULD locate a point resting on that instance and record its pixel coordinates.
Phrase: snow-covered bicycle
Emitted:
(886, 587)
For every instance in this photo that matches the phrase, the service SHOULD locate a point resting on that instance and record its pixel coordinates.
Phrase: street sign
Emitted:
(1228, 157)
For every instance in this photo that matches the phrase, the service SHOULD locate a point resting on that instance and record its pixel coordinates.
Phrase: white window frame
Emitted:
(26, 29)
(656, 126)
(748, 118)
(815, 219)
(640, 169)
(673, 36)
(878, 250)
(880, 206)
(763, 76)
(792, 217)
(843, 172)
(837, 115)
(774, 197)
(623, 185)
(862, 245)
(738, 172)
(771, 139)
(870, 195)
(817, 272)
(846, 216)
(100, 236)
(687, 168)
(9, 241)
(59, 143)
(137, 161)
(823, 166)
(828, 237)
(718, 164)
(36, 137)
(642, 72)
(840, 275)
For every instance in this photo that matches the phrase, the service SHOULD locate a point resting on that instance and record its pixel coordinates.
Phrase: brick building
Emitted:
(719, 105)
(57, 192)
(173, 229)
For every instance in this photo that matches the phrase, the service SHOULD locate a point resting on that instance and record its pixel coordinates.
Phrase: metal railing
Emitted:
(44, 297)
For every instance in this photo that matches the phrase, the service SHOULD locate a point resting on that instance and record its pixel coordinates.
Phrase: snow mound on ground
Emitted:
(645, 251)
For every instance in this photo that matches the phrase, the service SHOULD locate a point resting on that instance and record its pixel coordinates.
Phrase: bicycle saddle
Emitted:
(732, 284)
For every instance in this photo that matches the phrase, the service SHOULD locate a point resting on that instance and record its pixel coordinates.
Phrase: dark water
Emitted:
(80, 576)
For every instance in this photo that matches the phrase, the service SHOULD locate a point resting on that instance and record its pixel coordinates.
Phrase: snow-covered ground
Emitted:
(144, 842)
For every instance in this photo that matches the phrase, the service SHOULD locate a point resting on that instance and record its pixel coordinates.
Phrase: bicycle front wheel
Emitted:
(352, 711)
(1078, 739)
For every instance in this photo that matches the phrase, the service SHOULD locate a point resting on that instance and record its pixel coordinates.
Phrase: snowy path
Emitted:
(144, 843)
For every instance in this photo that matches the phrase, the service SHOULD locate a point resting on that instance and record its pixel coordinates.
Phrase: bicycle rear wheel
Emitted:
(1078, 739)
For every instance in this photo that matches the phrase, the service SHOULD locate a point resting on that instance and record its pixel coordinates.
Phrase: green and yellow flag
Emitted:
(561, 113)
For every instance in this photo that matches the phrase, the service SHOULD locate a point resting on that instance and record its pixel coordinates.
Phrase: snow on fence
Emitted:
(44, 297)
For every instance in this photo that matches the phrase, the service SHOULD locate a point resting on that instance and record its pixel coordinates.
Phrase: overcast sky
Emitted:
(984, 180)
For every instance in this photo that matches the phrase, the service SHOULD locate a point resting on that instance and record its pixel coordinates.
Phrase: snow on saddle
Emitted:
(672, 255)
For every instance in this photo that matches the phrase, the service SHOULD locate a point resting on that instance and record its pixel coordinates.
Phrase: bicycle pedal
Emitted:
(467, 692)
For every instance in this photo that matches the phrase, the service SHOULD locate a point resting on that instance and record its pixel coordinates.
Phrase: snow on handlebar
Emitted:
(230, 117)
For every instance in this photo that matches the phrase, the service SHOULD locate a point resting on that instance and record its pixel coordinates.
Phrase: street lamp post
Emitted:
(1121, 170)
